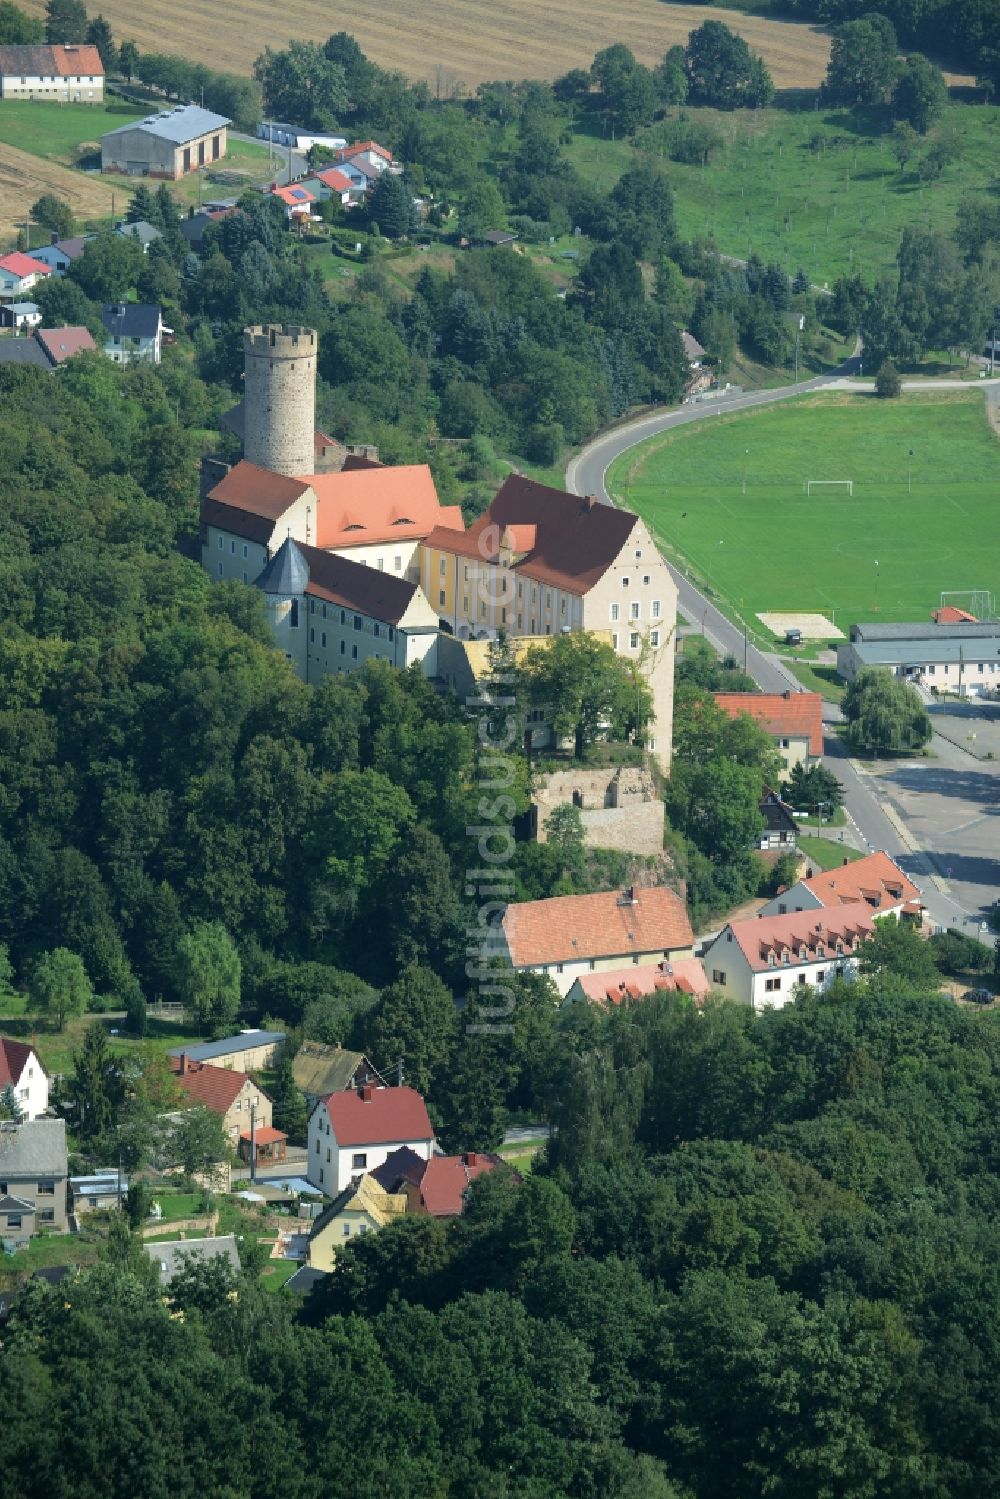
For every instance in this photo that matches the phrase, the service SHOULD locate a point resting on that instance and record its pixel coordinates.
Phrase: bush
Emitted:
(956, 954)
(887, 382)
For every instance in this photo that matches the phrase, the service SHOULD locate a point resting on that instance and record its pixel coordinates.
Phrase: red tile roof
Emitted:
(13, 1060)
(446, 1180)
(785, 715)
(369, 505)
(22, 265)
(217, 1088)
(294, 196)
(335, 180)
(875, 879)
(346, 152)
(62, 343)
(264, 1134)
(678, 975)
(249, 487)
(568, 928)
(51, 62)
(759, 938)
(378, 1116)
(949, 615)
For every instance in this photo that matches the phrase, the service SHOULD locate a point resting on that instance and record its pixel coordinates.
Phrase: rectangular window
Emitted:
(624, 582)
(312, 635)
(321, 1175)
(821, 976)
(655, 608)
(718, 976)
(246, 550)
(801, 979)
(359, 1161)
(646, 580)
(441, 597)
(465, 606)
(443, 566)
(46, 1189)
(398, 564)
(220, 569)
(503, 616)
(14, 1220)
(322, 640)
(615, 611)
(654, 638)
(614, 641)
(328, 1153)
(354, 652)
(633, 640)
(317, 1147)
(772, 986)
(232, 547)
(221, 543)
(381, 564)
(635, 610)
(343, 648)
(357, 621)
(392, 633)
(47, 1215)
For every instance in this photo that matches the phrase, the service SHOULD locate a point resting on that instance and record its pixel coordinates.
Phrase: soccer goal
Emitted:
(810, 484)
(979, 602)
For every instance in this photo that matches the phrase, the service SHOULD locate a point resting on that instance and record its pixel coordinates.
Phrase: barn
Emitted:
(169, 144)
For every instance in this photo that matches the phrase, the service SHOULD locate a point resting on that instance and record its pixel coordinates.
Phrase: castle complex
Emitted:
(367, 563)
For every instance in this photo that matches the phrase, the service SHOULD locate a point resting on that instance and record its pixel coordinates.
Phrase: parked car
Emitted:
(979, 996)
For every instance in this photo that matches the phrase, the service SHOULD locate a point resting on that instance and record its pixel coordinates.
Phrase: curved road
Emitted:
(879, 824)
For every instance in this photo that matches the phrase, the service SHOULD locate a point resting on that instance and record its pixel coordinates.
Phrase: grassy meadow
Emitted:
(807, 188)
(727, 499)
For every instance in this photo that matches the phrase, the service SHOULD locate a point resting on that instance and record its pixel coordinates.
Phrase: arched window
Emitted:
(293, 615)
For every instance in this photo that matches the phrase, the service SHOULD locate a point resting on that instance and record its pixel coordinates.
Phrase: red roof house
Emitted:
(785, 716)
(352, 1132)
(224, 1091)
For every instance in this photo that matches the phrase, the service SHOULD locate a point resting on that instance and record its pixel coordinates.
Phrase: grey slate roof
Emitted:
(287, 573)
(130, 320)
(32, 1150)
(22, 351)
(171, 1257)
(144, 232)
(302, 1282)
(185, 123)
(921, 630)
(207, 1051)
(15, 1205)
(921, 652)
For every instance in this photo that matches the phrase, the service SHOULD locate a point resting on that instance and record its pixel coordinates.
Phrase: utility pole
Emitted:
(253, 1142)
(399, 1072)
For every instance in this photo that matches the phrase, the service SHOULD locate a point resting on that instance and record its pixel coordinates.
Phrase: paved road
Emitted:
(282, 173)
(946, 846)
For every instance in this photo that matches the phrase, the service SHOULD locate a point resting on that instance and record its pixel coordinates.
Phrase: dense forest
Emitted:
(759, 1261)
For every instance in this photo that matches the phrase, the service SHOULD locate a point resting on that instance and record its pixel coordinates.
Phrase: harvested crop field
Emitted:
(464, 42)
(24, 178)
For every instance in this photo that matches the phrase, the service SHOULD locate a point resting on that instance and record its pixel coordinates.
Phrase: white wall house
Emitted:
(763, 961)
(570, 936)
(875, 881)
(18, 274)
(352, 1132)
(21, 1070)
(59, 74)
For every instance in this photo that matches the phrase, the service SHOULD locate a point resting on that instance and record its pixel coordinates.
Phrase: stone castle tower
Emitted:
(279, 399)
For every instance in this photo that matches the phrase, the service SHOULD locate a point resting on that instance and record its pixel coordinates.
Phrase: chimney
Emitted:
(590, 501)
(471, 1158)
(367, 1093)
(184, 1064)
(787, 693)
(53, 237)
(846, 861)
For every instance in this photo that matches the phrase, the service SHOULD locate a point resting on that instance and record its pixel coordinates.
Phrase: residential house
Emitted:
(793, 720)
(568, 936)
(363, 1207)
(542, 562)
(168, 144)
(56, 73)
(178, 1254)
(97, 1192)
(620, 985)
(18, 274)
(21, 316)
(366, 156)
(351, 1133)
(780, 830)
(61, 253)
(876, 881)
(21, 1070)
(142, 232)
(248, 1051)
(437, 1186)
(47, 348)
(496, 239)
(374, 515)
(230, 1094)
(298, 200)
(334, 182)
(133, 332)
(961, 656)
(33, 1177)
(762, 961)
(319, 1070)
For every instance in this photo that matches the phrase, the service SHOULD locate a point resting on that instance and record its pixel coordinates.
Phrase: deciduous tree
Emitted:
(59, 985)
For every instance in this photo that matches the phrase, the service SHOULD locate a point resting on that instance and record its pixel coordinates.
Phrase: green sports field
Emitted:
(726, 497)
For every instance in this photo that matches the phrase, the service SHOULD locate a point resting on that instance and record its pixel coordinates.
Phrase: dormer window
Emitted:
(772, 961)
(803, 953)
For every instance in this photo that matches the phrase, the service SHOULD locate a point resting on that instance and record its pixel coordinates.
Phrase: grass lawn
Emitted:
(49, 1249)
(57, 1049)
(727, 499)
(807, 189)
(821, 679)
(57, 131)
(827, 852)
(175, 1205)
(168, 1238)
(276, 1272)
